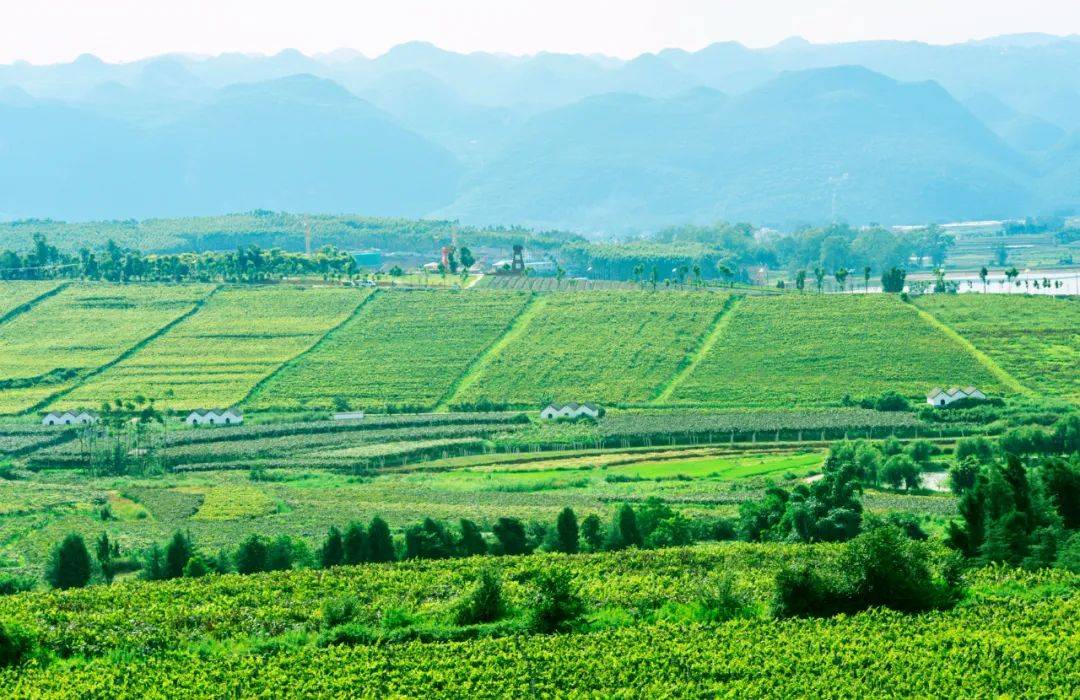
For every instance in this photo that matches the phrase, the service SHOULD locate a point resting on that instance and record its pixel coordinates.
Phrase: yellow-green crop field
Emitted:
(289, 348)
(215, 357)
(805, 350)
(600, 346)
(15, 294)
(401, 348)
(81, 329)
(1036, 338)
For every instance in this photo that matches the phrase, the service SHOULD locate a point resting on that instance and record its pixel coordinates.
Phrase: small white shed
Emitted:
(70, 418)
(570, 411)
(943, 397)
(229, 416)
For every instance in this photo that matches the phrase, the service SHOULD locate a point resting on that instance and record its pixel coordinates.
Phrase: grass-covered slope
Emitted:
(216, 356)
(606, 347)
(84, 327)
(1034, 338)
(401, 348)
(802, 350)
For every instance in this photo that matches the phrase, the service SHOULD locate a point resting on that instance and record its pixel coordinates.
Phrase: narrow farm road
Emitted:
(516, 329)
(720, 324)
(1006, 379)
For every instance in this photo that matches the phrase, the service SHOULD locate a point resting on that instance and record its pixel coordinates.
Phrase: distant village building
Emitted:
(943, 397)
(570, 411)
(228, 416)
(538, 267)
(70, 418)
(349, 415)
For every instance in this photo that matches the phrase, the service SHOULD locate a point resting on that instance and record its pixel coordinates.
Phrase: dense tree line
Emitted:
(250, 264)
(736, 251)
(283, 230)
(652, 525)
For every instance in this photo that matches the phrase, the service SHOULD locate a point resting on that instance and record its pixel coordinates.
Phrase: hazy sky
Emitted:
(46, 31)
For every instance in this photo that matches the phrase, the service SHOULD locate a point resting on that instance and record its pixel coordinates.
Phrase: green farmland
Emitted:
(300, 555)
(15, 295)
(805, 350)
(402, 347)
(293, 349)
(1036, 339)
(67, 337)
(215, 357)
(602, 346)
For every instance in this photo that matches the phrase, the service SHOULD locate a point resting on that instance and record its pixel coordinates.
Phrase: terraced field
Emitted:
(402, 348)
(74, 333)
(602, 346)
(805, 350)
(1036, 339)
(218, 355)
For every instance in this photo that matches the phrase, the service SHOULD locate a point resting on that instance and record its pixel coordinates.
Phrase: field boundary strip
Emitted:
(517, 326)
(709, 341)
(985, 360)
(195, 308)
(28, 305)
(259, 385)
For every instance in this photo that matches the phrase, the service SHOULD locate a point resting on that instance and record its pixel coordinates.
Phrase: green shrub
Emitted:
(483, 602)
(69, 565)
(17, 644)
(556, 604)
(11, 584)
(197, 567)
(1069, 554)
(882, 568)
(510, 536)
(350, 634)
(339, 611)
(252, 555)
(720, 600)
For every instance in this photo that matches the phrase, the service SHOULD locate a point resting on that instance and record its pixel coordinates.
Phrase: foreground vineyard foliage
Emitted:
(155, 640)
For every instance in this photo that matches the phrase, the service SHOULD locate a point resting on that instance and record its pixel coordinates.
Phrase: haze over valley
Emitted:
(868, 132)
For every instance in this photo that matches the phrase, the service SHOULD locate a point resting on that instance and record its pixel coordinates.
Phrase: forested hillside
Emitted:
(795, 134)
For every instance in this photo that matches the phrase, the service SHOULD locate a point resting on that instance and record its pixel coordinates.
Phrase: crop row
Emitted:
(80, 329)
(214, 358)
(809, 349)
(360, 458)
(304, 446)
(549, 284)
(603, 347)
(402, 348)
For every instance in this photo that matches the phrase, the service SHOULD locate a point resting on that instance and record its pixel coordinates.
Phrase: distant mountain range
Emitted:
(889, 132)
